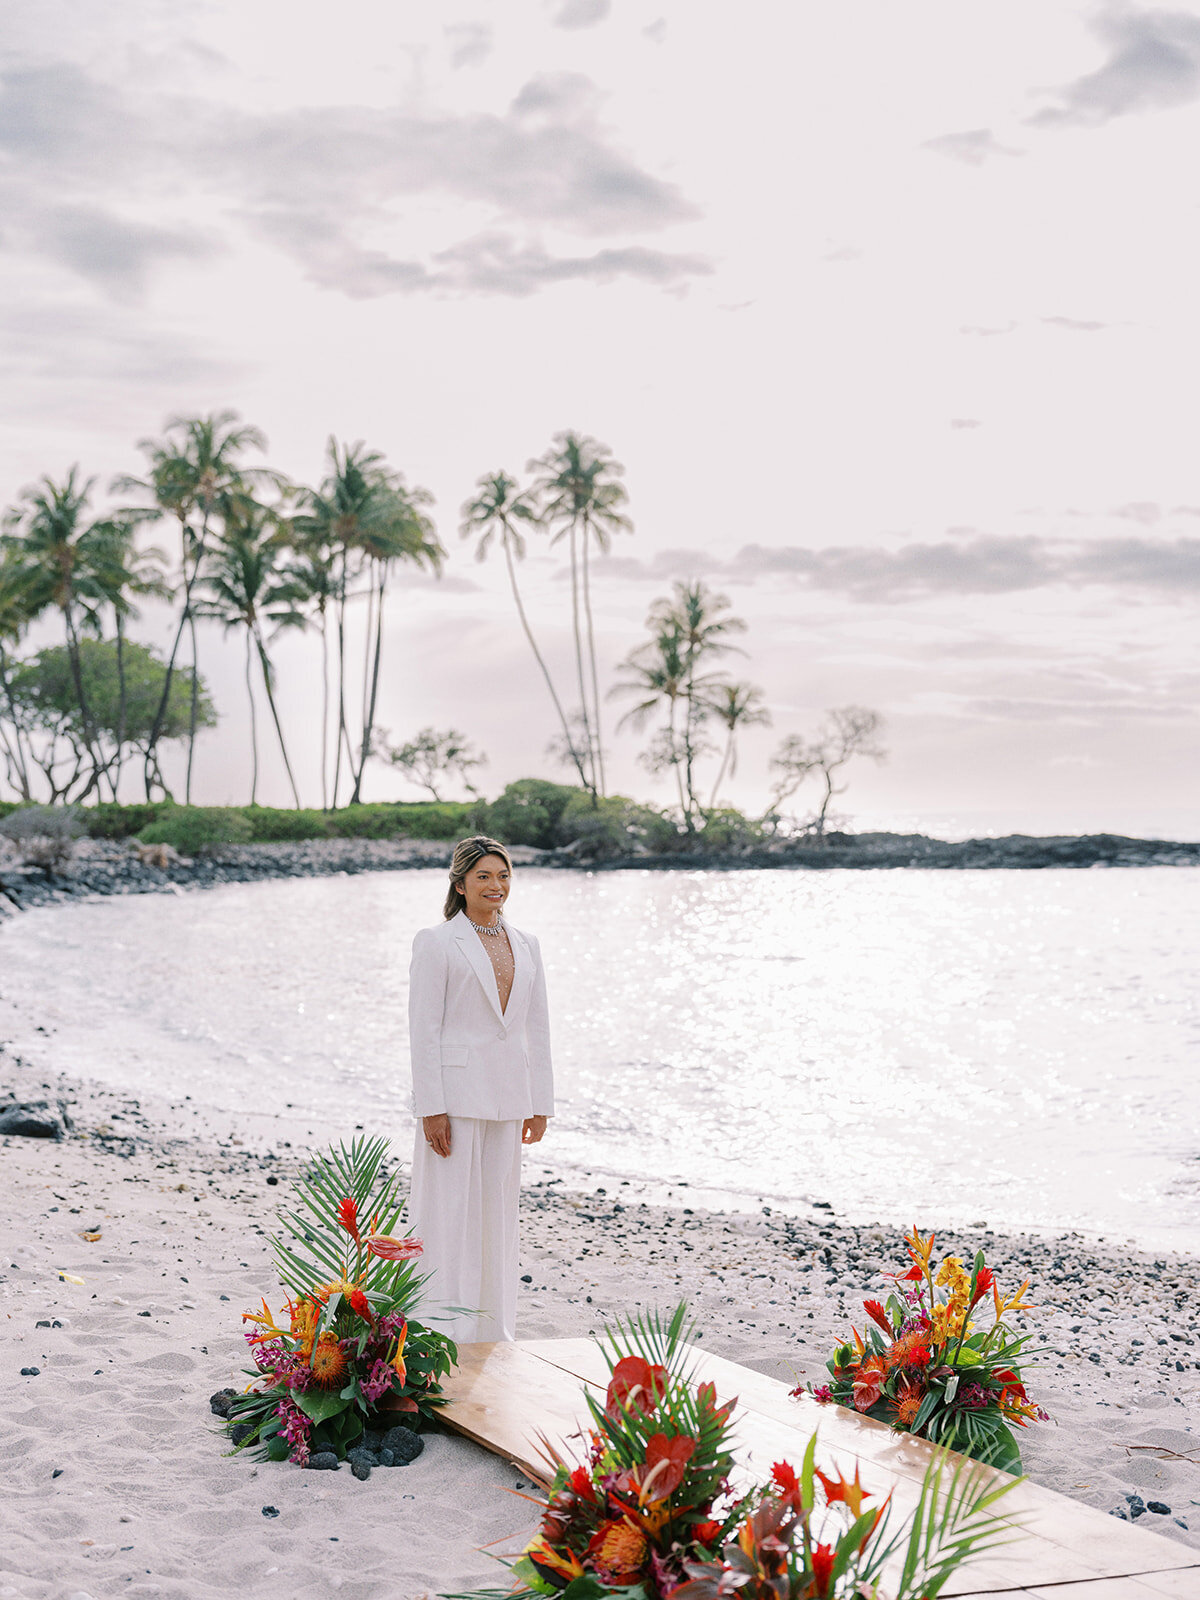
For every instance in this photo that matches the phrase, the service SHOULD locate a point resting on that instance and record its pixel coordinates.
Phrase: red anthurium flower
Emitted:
(389, 1249)
(868, 1383)
(666, 1462)
(635, 1386)
(822, 1567)
(347, 1215)
(360, 1305)
(851, 1494)
(706, 1533)
(581, 1484)
(879, 1316)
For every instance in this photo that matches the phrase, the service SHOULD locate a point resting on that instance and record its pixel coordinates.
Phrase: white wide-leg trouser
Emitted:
(464, 1208)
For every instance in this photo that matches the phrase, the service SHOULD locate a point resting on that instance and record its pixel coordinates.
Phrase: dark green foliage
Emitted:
(529, 812)
(270, 822)
(110, 821)
(614, 827)
(190, 828)
(435, 819)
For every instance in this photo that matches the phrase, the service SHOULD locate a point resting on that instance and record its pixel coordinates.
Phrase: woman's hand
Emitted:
(532, 1129)
(437, 1133)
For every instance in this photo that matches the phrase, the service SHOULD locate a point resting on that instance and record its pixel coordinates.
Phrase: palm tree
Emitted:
(243, 587)
(493, 513)
(366, 519)
(579, 488)
(693, 612)
(737, 705)
(656, 672)
(312, 572)
(397, 530)
(15, 617)
(58, 552)
(195, 471)
(121, 572)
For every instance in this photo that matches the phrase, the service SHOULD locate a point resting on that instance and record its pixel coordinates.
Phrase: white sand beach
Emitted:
(115, 1477)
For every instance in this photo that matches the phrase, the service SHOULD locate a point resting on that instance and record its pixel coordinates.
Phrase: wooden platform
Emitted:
(502, 1394)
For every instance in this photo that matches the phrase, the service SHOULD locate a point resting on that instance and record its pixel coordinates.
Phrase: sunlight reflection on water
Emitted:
(1018, 1047)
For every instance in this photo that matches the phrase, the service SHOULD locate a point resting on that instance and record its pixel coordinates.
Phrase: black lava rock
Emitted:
(1136, 1504)
(386, 1458)
(404, 1444)
(527, 1277)
(371, 1439)
(57, 1473)
(1158, 1507)
(30, 1372)
(361, 1470)
(34, 1119)
(361, 1453)
(270, 1511)
(241, 1431)
(220, 1402)
(272, 1179)
(323, 1461)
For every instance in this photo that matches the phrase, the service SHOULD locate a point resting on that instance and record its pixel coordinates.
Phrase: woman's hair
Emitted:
(467, 852)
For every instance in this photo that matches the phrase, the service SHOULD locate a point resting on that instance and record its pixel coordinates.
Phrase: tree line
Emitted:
(261, 555)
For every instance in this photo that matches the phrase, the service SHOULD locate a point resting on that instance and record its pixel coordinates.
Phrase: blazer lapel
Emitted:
(468, 941)
(522, 977)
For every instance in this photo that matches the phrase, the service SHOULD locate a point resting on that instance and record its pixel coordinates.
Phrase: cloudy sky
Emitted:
(889, 311)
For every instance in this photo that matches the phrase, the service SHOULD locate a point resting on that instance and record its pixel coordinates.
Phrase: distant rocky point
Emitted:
(100, 868)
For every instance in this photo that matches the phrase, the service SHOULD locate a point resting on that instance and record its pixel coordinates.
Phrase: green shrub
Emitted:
(270, 822)
(530, 811)
(8, 805)
(616, 826)
(190, 828)
(107, 821)
(729, 830)
(402, 820)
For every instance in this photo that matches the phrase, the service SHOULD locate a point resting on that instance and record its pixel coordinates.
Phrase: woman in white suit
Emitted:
(479, 1032)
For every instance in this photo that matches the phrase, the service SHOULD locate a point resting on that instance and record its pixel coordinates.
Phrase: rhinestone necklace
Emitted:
(491, 932)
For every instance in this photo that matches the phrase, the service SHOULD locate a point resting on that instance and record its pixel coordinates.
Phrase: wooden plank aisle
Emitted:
(503, 1395)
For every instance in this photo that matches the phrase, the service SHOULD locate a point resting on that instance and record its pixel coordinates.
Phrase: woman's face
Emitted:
(486, 888)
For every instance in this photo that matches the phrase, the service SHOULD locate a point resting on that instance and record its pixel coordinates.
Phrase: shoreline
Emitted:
(102, 868)
(145, 1503)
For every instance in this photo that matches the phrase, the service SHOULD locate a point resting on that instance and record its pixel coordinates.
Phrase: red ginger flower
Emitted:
(878, 1315)
(984, 1281)
(347, 1215)
(361, 1306)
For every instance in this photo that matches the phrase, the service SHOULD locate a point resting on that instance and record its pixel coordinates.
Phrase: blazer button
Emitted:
(500, 1035)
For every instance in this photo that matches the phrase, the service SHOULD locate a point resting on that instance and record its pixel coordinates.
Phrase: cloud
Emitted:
(491, 263)
(974, 146)
(581, 13)
(111, 250)
(325, 184)
(470, 43)
(1076, 324)
(1153, 64)
(980, 564)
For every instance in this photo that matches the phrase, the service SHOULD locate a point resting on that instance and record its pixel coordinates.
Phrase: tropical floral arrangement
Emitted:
(344, 1355)
(650, 1511)
(924, 1366)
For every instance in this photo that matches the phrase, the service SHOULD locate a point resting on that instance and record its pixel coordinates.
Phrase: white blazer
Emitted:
(469, 1058)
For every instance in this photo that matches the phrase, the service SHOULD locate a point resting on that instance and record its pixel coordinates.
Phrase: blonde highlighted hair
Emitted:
(467, 854)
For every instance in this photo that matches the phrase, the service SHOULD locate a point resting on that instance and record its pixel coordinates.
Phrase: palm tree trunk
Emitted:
(342, 736)
(674, 762)
(324, 712)
(253, 722)
(73, 656)
(22, 767)
(591, 636)
(192, 713)
(369, 714)
(265, 664)
(712, 805)
(189, 579)
(566, 726)
(123, 702)
(587, 723)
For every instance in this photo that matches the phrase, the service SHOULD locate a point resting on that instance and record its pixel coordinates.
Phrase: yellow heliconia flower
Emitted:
(951, 1273)
(266, 1321)
(921, 1249)
(1015, 1302)
(305, 1318)
(565, 1563)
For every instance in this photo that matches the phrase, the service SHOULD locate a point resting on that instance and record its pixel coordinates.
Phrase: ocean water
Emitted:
(1019, 1049)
